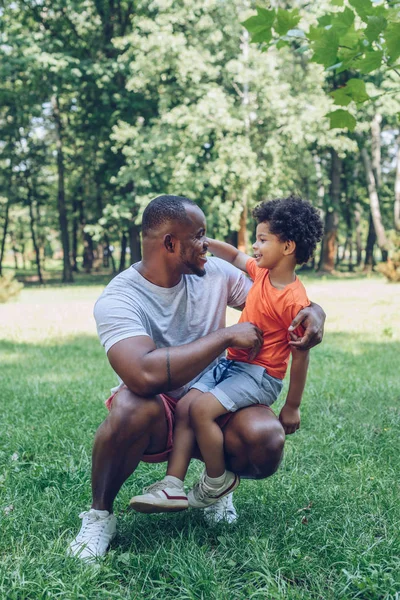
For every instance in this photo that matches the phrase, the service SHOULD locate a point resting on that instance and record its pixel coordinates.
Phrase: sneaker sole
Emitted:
(230, 489)
(148, 508)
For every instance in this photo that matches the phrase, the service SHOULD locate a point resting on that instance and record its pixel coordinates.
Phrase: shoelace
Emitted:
(93, 528)
(158, 486)
(201, 489)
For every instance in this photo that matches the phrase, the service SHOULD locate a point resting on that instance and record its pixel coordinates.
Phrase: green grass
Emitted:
(326, 526)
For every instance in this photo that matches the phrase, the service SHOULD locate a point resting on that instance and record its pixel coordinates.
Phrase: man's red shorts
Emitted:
(169, 407)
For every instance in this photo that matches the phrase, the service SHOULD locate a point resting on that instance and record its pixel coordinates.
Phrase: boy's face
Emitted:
(268, 249)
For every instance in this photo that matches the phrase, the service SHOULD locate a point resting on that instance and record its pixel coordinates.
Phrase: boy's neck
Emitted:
(282, 275)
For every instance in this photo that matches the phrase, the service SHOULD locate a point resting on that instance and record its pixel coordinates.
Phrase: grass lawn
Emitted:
(326, 526)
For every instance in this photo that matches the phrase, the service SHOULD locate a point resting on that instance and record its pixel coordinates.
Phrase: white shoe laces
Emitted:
(158, 486)
(92, 529)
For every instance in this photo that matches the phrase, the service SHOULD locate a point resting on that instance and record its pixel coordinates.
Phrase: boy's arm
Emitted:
(290, 413)
(229, 253)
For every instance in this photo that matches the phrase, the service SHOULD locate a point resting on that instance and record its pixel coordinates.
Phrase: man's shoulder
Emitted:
(122, 284)
(220, 268)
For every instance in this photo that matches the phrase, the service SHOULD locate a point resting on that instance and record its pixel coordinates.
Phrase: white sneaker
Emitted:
(162, 496)
(221, 511)
(203, 495)
(98, 530)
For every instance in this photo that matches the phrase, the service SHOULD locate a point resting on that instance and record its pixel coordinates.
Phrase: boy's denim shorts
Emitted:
(238, 384)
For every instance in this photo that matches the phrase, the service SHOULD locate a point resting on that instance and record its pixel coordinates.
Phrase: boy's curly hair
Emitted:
(292, 219)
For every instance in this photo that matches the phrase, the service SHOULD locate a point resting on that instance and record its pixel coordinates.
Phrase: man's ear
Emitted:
(290, 247)
(169, 242)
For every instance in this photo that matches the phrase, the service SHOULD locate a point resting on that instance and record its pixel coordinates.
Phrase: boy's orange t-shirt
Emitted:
(272, 310)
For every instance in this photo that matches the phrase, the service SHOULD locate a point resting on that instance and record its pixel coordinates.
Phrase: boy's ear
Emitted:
(169, 243)
(290, 247)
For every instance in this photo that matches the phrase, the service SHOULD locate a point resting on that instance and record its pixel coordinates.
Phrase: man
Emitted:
(162, 323)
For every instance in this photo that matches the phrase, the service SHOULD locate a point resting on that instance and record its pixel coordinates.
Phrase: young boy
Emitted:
(288, 231)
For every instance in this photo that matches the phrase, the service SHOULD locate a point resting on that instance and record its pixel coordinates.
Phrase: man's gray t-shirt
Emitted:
(131, 306)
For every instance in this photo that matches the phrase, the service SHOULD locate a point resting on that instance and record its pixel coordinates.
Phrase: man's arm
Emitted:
(229, 253)
(312, 318)
(290, 413)
(147, 371)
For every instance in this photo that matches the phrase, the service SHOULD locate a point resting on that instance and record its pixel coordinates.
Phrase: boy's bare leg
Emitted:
(210, 439)
(184, 439)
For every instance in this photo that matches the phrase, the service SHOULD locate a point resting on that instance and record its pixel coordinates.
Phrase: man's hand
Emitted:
(312, 318)
(290, 418)
(246, 335)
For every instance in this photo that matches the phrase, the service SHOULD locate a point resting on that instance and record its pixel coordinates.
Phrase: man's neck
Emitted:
(158, 274)
(282, 275)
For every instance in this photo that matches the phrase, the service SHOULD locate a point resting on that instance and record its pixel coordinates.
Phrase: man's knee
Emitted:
(130, 412)
(265, 444)
(256, 446)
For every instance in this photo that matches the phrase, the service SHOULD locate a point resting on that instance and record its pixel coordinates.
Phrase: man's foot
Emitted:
(166, 495)
(203, 495)
(98, 530)
(222, 511)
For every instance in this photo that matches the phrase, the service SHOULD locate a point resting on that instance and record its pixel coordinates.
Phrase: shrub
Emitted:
(9, 288)
(391, 268)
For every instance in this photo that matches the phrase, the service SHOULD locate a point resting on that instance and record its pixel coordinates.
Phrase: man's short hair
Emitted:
(165, 208)
(292, 219)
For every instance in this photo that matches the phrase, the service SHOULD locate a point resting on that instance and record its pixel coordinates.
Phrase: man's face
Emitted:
(193, 243)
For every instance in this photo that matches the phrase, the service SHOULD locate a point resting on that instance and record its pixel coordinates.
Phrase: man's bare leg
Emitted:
(253, 441)
(135, 426)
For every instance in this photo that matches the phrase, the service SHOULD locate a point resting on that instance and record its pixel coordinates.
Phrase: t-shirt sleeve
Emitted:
(295, 302)
(116, 319)
(251, 268)
(238, 284)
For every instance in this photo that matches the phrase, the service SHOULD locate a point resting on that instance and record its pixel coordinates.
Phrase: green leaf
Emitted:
(340, 97)
(356, 89)
(363, 8)
(325, 20)
(260, 25)
(262, 36)
(286, 20)
(337, 2)
(340, 119)
(315, 33)
(374, 28)
(325, 48)
(350, 39)
(370, 62)
(392, 38)
(343, 21)
(254, 24)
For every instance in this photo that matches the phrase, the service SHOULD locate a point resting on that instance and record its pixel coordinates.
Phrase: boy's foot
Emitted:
(166, 495)
(98, 530)
(222, 511)
(203, 494)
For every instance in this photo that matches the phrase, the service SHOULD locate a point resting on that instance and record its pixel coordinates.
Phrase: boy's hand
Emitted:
(290, 418)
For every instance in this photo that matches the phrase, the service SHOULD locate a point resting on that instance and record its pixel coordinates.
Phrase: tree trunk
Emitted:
(374, 203)
(242, 233)
(369, 248)
(329, 241)
(397, 190)
(88, 254)
(62, 209)
(75, 231)
(134, 243)
(357, 220)
(3, 239)
(33, 233)
(122, 259)
(376, 149)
